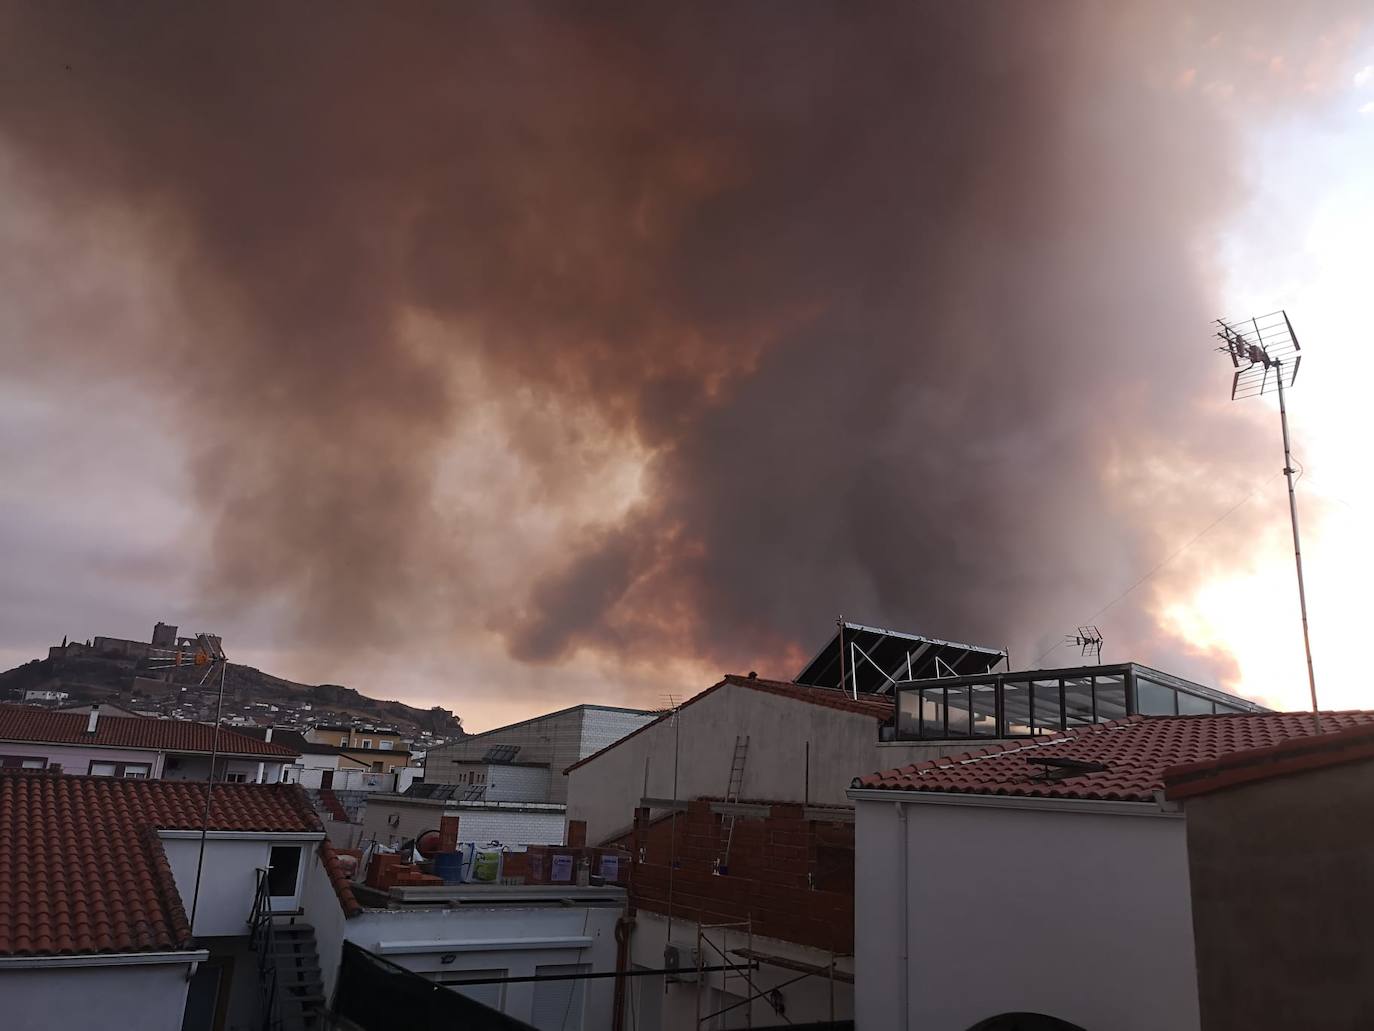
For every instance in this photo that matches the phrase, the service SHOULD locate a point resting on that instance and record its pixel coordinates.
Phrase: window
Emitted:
(559, 1003)
(1153, 699)
(136, 771)
(908, 714)
(104, 769)
(367, 742)
(1016, 708)
(1078, 701)
(23, 762)
(343, 742)
(283, 871)
(983, 699)
(1111, 697)
(387, 745)
(1192, 705)
(933, 712)
(236, 778)
(1049, 713)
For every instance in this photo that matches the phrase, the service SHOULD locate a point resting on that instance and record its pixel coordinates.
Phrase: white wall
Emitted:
(197, 767)
(559, 739)
(347, 778)
(322, 909)
(512, 826)
(78, 758)
(228, 880)
(151, 998)
(517, 783)
(503, 938)
(844, 745)
(1081, 916)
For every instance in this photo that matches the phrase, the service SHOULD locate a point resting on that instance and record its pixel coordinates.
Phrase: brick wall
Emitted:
(793, 877)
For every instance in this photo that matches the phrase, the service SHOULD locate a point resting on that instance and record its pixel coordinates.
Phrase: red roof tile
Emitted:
(82, 869)
(343, 887)
(1296, 755)
(28, 723)
(1136, 751)
(877, 706)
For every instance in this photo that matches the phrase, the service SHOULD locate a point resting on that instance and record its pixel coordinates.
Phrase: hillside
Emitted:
(87, 676)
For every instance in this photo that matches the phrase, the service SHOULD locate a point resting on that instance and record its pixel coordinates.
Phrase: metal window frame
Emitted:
(1037, 682)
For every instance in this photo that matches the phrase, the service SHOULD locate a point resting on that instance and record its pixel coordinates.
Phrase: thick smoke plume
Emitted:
(898, 310)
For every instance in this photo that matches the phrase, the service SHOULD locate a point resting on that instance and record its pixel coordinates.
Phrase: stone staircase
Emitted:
(296, 986)
(290, 980)
(330, 801)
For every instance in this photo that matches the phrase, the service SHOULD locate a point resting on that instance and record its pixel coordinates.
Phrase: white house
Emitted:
(518, 939)
(134, 747)
(109, 918)
(1047, 877)
(556, 740)
(45, 695)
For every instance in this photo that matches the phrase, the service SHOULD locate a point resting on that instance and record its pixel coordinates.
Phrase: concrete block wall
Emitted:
(792, 876)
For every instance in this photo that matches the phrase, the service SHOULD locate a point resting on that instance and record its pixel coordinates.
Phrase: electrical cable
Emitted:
(1173, 555)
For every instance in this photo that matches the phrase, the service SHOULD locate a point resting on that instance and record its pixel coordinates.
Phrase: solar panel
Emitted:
(872, 659)
(501, 753)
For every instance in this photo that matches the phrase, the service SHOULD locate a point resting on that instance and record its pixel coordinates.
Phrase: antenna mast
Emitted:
(1088, 640)
(1265, 353)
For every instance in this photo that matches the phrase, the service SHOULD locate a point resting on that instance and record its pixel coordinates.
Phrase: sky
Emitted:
(511, 357)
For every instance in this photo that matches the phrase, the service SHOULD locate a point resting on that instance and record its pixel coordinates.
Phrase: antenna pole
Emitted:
(1297, 551)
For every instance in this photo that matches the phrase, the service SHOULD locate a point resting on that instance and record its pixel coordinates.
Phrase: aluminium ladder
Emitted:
(732, 793)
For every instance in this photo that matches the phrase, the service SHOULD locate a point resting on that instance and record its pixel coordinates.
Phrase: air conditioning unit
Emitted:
(681, 960)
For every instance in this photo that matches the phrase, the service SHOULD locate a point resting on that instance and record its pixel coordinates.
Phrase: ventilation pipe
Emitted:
(92, 719)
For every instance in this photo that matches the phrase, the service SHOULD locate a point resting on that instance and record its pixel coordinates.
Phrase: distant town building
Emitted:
(45, 695)
(134, 747)
(557, 740)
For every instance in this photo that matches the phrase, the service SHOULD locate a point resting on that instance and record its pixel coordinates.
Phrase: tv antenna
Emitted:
(203, 651)
(1088, 640)
(1265, 353)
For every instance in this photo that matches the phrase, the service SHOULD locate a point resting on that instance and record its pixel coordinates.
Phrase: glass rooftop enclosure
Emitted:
(1027, 703)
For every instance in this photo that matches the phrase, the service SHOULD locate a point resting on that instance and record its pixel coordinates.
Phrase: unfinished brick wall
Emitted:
(794, 877)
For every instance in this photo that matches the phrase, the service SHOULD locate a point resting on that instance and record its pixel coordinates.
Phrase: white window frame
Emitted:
(287, 903)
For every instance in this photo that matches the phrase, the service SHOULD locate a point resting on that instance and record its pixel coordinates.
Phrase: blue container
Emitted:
(450, 866)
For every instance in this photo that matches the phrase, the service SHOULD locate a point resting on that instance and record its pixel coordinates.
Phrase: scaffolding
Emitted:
(723, 951)
(753, 962)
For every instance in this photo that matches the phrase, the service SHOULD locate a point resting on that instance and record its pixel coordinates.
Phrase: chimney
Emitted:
(93, 719)
(268, 735)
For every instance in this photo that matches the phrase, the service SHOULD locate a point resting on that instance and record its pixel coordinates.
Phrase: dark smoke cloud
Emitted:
(897, 300)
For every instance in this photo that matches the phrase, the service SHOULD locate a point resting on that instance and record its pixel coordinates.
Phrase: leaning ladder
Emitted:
(732, 792)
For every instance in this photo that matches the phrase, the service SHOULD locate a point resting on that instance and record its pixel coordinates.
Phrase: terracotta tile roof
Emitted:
(878, 706)
(28, 723)
(343, 887)
(1295, 755)
(1136, 753)
(81, 866)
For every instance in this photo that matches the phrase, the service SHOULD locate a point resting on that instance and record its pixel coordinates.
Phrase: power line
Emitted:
(1175, 554)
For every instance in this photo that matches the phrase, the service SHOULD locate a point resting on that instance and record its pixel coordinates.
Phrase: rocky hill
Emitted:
(87, 675)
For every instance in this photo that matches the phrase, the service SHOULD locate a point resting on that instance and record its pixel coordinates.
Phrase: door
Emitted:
(558, 1004)
(326, 779)
(284, 878)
